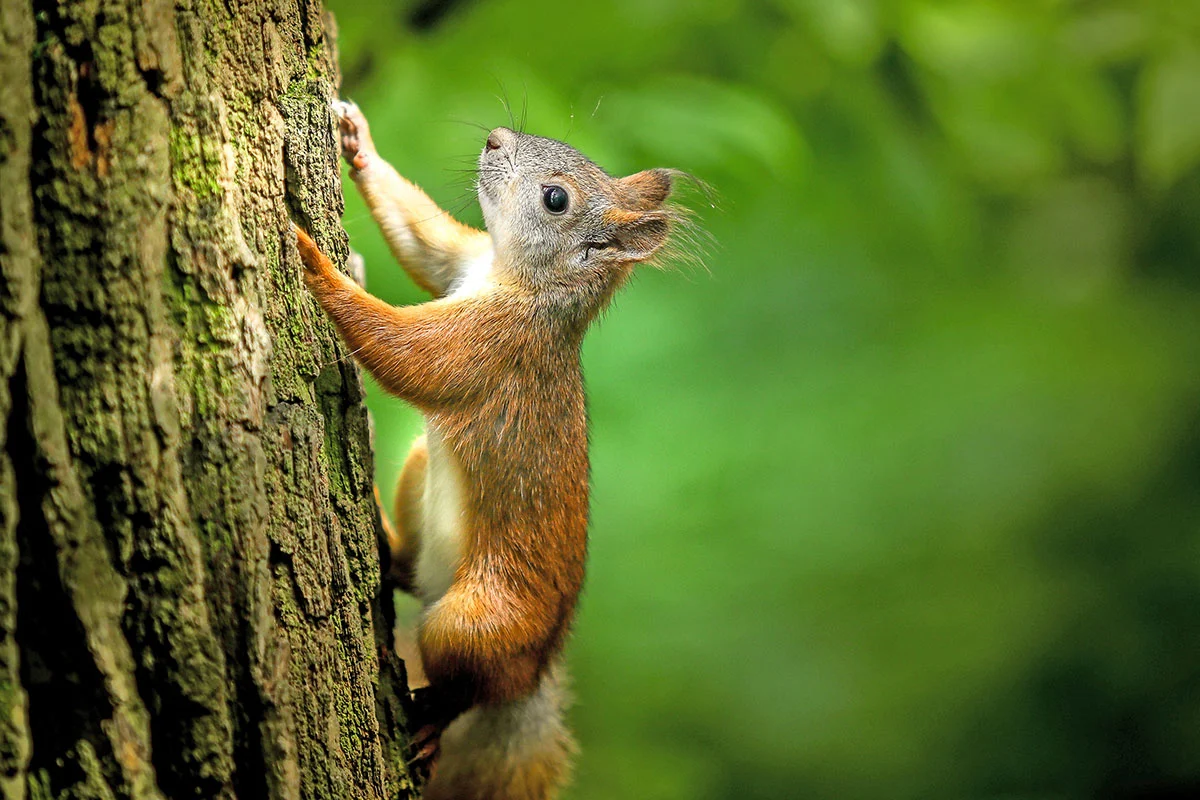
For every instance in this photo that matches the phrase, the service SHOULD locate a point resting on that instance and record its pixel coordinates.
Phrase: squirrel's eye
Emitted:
(554, 198)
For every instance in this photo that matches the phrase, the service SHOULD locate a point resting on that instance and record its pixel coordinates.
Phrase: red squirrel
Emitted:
(491, 515)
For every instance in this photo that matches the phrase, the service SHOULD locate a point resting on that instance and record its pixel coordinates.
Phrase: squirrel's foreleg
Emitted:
(415, 352)
(432, 246)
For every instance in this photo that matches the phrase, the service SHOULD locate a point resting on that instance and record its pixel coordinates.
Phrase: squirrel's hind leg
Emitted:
(404, 533)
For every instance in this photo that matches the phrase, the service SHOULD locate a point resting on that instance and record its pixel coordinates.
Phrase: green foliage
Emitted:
(900, 499)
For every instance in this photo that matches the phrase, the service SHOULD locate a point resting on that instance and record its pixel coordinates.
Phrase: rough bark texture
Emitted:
(189, 570)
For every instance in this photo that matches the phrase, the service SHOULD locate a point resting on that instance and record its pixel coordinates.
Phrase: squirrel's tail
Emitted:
(510, 751)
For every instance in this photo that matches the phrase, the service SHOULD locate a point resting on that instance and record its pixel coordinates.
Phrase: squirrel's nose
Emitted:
(497, 138)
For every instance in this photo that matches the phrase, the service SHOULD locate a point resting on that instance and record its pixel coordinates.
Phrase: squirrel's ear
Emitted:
(639, 236)
(647, 189)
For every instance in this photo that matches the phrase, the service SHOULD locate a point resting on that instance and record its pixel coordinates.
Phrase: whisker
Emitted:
(503, 98)
(355, 218)
(471, 124)
(463, 204)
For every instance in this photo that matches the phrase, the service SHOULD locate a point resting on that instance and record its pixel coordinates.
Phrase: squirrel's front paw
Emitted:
(357, 148)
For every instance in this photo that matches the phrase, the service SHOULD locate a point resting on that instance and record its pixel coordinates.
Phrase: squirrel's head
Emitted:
(561, 223)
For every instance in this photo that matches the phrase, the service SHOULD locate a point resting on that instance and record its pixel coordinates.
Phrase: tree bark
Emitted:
(190, 600)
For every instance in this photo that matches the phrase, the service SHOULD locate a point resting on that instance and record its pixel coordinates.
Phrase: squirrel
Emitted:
(491, 514)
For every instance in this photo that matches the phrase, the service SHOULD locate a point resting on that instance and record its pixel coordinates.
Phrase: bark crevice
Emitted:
(66, 697)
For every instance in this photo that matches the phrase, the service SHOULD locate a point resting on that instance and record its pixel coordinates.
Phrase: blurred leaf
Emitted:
(850, 29)
(707, 127)
(1169, 116)
(1108, 35)
(1072, 238)
(970, 41)
(1095, 118)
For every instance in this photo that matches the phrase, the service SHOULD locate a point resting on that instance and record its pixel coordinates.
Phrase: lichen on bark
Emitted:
(190, 602)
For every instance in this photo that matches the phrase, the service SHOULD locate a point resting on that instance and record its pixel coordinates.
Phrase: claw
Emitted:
(432, 711)
(424, 750)
(425, 745)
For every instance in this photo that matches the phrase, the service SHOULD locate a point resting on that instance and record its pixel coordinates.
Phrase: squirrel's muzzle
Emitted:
(497, 139)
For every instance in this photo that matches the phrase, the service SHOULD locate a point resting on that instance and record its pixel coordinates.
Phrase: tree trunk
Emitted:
(190, 601)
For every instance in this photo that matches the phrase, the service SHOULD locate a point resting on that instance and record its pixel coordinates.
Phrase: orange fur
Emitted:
(493, 375)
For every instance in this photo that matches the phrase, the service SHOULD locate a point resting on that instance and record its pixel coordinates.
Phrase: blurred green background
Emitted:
(900, 498)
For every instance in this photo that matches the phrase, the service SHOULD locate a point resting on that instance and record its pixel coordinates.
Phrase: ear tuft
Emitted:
(645, 190)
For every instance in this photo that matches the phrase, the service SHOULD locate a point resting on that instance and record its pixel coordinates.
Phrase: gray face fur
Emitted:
(609, 224)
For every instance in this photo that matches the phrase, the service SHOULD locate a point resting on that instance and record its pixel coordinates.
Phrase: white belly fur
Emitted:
(443, 537)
